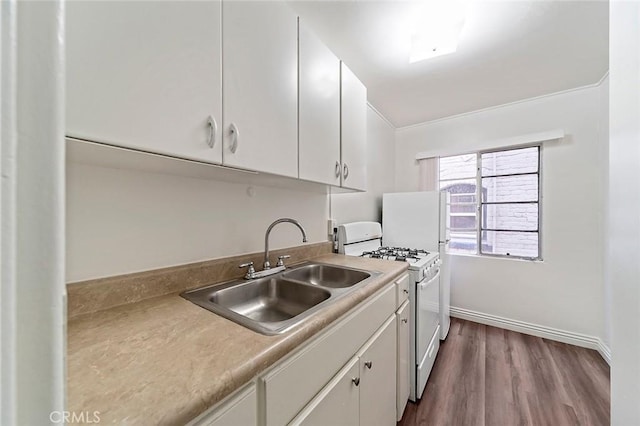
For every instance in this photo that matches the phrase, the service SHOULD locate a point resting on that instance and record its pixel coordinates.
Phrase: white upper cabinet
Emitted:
(160, 76)
(319, 110)
(260, 86)
(354, 131)
(146, 75)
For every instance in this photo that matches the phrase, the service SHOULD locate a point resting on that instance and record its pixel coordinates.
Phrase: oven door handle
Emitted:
(424, 285)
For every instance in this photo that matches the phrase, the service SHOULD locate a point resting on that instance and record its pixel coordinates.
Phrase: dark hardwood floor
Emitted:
(489, 376)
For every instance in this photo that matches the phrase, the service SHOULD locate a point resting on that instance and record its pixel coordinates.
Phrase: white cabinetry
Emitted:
(260, 87)
(319, 110)
(338, 403)
(292, 383)
(146, 75)
(149, 76)
(360, 394)
(239, 409)
(344, 376)
(377, 376)
(353, 130)
(402, 290)
(403, 365)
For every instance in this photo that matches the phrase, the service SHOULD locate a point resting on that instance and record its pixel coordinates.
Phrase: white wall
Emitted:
(352, 207)
(564, 291)
(624, 211)
(603, 131)
(121, 221)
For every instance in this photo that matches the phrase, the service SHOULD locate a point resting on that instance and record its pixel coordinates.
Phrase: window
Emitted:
(495, 200)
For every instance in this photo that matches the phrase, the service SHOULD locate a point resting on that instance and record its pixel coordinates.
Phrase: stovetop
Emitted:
(401, 254)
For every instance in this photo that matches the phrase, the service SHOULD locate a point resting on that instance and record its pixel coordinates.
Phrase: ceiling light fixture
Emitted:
(436, 27)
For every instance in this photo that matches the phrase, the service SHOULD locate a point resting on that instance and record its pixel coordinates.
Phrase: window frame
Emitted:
(479, 202)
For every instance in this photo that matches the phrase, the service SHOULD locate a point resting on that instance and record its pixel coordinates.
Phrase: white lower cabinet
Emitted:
(345, 376)
(291, 384)
(360, 394)
(338, 403)
(239, 409)
(403, 371)
(377, 376)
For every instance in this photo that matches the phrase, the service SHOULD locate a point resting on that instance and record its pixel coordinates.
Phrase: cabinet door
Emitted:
(146, 75)
(260, 86)
(402, 290)
(238, 410)
(337, 403)
(378, 376)
(403, 368)
(354, 131)
(319, 110)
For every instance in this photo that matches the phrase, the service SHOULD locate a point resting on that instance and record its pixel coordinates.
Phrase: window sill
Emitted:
(509, 258)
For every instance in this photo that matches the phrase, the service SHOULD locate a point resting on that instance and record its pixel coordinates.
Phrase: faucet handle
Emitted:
(250, 272)
(281, 259)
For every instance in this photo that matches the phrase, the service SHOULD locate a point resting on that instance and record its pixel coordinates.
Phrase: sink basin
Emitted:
(275, 304)
(327, 275)
(269, 300)
(269, 305)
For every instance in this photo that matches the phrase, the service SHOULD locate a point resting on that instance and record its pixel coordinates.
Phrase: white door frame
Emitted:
(32, 199)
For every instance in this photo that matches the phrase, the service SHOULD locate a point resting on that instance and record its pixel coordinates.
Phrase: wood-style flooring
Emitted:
(489, 376)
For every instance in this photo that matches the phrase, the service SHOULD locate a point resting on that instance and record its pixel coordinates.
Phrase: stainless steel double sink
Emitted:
(274, 304)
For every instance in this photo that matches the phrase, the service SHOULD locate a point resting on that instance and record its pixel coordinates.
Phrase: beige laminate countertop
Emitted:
(165, 360)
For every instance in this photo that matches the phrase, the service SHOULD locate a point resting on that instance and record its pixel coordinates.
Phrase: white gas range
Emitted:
(364, 239)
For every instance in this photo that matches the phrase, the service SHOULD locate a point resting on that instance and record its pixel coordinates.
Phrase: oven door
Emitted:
(427, 313)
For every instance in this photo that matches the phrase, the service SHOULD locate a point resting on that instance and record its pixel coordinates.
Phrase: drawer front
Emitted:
(292, 384)
(402, 290)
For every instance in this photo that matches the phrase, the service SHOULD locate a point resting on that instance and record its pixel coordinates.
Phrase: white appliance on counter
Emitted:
(364, 239)
(421, 219)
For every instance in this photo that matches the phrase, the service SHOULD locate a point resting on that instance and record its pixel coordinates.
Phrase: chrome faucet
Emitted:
(267, 270)
(267, 265)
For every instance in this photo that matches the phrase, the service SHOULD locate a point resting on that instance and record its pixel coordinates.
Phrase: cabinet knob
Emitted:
(405, 291)
(368, 364)
(345, 172)
(356, 381)
(337, 169)
(404, 320)
(213, 130)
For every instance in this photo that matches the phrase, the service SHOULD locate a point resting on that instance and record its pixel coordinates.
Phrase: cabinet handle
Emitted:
(233, 129)
(213, 130)
(368, 364)
(345, 172)
(337, 169)
(356, 381)
(405, 291)
(404, 320)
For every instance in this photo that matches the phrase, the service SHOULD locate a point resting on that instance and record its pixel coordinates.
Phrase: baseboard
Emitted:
(558, 335)
(604, 351)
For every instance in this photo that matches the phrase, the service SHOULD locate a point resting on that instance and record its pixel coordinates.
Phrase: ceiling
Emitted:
(507, 51)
